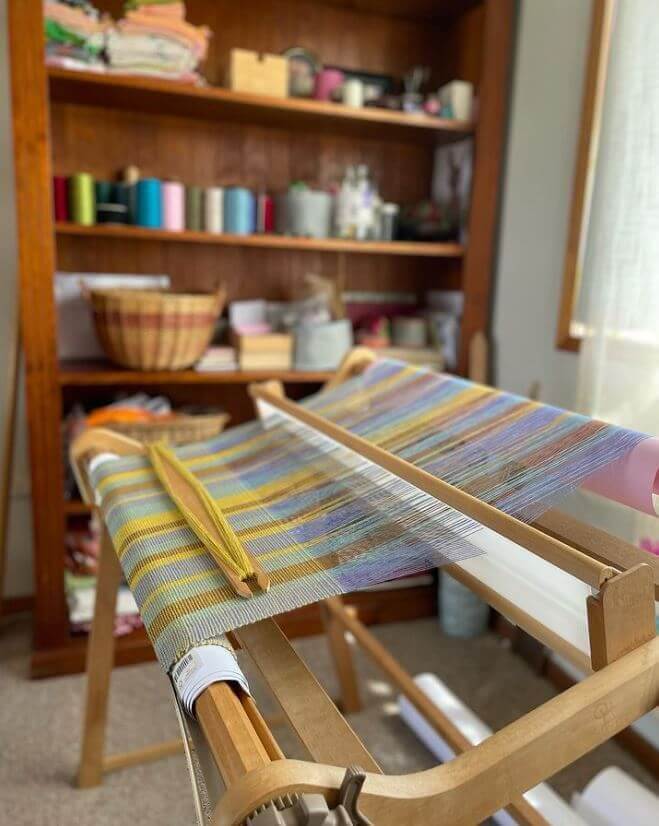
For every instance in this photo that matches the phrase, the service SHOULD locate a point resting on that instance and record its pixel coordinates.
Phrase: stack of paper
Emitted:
(271, 351)
(217, 359)
(202, 666)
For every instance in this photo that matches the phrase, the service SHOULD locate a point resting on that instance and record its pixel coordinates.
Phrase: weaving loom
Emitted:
(384, 473)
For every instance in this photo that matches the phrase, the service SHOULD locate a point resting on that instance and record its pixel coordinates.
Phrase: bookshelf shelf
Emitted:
(281, 242)
(216, 103)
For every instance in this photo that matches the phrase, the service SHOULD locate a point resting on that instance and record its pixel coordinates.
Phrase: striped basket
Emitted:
(154, 329)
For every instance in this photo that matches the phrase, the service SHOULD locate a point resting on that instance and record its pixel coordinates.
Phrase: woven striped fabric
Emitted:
(322, 520)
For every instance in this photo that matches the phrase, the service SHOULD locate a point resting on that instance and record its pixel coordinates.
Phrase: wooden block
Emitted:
(621, 616)
(265, 74)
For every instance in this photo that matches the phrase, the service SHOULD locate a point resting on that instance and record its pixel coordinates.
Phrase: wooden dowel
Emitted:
(262, 728)
(235, 744)
(148, 754)
(609, 549)
(579, 565)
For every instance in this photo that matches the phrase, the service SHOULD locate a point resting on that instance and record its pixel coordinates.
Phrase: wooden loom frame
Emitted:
(482, 779)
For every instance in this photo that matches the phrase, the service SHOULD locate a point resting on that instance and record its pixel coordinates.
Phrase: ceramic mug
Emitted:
(327, 80)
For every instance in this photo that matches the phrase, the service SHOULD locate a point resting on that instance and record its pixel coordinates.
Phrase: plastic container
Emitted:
(322, 346)
(305, 213)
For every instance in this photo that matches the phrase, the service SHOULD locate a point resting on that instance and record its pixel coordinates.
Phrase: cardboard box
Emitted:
(262, 352)
(265, 74)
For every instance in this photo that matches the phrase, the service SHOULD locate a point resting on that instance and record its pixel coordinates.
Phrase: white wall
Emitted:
(19, 560)
(552, 46)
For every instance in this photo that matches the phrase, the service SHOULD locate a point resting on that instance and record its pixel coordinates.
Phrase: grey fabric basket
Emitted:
(322, 346)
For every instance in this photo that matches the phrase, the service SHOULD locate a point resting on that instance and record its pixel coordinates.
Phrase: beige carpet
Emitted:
(40, 726)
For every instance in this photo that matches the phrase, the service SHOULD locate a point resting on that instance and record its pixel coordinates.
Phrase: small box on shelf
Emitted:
(265, 74)
(264, 351)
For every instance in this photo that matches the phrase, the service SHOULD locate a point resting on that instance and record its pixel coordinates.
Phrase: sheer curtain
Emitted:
(619, 359)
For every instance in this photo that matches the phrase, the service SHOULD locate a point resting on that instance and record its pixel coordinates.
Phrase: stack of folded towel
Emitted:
(154, 39)
(75, 34)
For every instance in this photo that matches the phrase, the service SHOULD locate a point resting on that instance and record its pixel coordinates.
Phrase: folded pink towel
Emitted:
(175, 11)
(139, 22)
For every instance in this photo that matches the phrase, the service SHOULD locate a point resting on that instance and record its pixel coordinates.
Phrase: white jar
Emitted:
(353, 92)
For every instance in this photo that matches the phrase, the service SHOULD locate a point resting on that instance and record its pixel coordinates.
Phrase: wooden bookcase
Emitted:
(69, 121)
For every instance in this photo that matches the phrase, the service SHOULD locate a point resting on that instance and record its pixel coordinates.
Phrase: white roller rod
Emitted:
(613, 798)
(542, 797)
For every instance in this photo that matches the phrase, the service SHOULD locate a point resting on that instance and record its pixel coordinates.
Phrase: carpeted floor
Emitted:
(40, 726)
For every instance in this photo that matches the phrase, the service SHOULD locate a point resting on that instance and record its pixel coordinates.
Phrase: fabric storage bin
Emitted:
(322, 346)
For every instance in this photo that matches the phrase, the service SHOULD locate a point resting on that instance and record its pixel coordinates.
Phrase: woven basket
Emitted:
(177, 430)
(153, 329)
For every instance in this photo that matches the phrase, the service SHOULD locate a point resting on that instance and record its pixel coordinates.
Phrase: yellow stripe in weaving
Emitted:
(170, 585)
(183, 607)
(144, 527)
(424, 418)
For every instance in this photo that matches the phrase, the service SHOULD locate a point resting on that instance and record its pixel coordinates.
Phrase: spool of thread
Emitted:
(214, 209)
(111, 214)
(265, 213)
(149, 203)
(173, 206)
(126, 194)
(239, 211)
(194, 217)
(61, 198)
(103, 190)
(82, 200)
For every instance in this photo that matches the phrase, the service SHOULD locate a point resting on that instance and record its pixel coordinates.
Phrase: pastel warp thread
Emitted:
(321, 519)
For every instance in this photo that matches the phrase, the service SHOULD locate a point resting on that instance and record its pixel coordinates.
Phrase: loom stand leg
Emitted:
(342, 656)
(100, 658)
